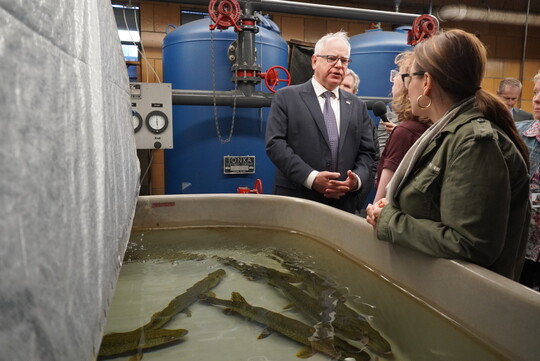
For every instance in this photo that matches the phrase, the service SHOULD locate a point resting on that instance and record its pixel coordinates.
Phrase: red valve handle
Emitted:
(423, 27)
(224, 14)
(257, 190)
(271, 77)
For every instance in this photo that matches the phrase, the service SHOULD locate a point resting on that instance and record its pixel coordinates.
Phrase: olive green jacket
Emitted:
(466, 198)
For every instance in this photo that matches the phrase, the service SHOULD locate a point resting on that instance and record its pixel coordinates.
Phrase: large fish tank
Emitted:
(426, 308)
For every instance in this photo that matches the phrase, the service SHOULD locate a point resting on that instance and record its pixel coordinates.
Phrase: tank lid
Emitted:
(267, 23)
(403, 29)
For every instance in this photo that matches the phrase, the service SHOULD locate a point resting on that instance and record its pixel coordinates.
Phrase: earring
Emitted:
(420, 105)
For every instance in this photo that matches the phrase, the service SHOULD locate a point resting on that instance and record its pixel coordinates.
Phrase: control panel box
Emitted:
(152, 115)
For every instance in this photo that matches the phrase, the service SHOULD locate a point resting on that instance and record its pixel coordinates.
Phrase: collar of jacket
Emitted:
(466, 115)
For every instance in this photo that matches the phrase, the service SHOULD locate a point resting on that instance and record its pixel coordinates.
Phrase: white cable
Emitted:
(142, 46)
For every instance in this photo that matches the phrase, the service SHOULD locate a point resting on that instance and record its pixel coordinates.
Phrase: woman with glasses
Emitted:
(462, 190)
(403, 135)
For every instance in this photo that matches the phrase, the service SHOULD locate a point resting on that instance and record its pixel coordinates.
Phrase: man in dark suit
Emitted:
(322, 144)
(510, 92)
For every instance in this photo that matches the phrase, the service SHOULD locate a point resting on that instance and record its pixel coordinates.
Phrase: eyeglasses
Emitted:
(406, 77)
(332, 59)
(393, 74)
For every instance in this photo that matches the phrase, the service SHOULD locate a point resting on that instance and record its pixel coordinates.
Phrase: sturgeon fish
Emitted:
(345, 320)
(123, 342)
(158, 319)
(293, 329)
(183, 301)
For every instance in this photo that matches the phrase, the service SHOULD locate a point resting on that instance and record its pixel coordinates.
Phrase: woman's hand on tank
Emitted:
(374, 210)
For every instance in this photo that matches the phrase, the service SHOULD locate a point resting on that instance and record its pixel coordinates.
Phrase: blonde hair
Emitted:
(401, 104)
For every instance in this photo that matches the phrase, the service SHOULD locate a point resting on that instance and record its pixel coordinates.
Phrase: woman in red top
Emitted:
(403, 136)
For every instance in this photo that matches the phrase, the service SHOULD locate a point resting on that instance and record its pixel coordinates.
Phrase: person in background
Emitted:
(530, 131)
(403, 135)
(319, 137)
(462, 190)
(350, 82)
(510, 92)
(385, 128)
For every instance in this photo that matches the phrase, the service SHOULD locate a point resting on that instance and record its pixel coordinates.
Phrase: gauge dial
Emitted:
(137, 121)
(157, 121)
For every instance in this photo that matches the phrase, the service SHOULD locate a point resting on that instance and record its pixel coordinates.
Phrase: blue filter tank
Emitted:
(207, 137)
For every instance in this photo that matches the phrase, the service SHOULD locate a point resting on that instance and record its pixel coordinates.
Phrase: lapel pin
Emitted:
(348, 101)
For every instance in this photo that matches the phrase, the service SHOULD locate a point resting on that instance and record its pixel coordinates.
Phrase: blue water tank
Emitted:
(373, 54)
(197, 59)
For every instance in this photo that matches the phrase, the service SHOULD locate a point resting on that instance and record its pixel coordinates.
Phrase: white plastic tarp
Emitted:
(69, 175)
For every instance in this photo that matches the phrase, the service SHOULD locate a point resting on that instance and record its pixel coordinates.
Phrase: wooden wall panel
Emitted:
(165, 14)
(490, 85)
(292, 28)
(333, 26)
(494, 68)
(357, 28)
(146, 16)
(315, 28)
(511, 68)
(152, 44)
(508, 47)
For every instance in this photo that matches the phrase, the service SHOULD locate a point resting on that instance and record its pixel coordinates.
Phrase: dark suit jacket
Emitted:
(520, 115)
(297, 142)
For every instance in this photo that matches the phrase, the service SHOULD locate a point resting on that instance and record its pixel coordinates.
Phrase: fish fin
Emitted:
(265, 333)
(305, 352)
(204, 297)
(289, 306)
(237, 297)
(187, 312)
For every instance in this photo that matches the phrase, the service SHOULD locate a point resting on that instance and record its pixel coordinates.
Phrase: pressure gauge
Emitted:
(157, 121)
(137, 121)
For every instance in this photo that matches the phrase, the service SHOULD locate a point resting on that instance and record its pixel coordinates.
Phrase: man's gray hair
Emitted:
(319, 46)
(510, 82)
(356, 80)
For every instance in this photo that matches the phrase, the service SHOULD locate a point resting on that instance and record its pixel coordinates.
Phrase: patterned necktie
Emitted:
(331, 127)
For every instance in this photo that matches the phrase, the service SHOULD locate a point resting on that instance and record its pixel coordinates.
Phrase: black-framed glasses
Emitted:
(406, 77)
(332, 59)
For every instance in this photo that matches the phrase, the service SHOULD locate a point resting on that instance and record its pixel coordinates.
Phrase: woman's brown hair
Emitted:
(456, 60)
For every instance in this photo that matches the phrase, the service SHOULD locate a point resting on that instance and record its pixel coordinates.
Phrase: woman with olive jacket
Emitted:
(462, 190)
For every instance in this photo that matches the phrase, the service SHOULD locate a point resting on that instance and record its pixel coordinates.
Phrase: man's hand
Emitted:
(337, 189)
(323, 179)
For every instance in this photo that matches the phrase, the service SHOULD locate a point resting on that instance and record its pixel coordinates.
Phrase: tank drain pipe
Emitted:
(463, 12)
(224, 97)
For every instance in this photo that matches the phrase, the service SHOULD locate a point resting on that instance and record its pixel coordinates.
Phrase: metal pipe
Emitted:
(221, 97)
(238, 99)
(463, 12)
(327, 11)
(293, 7)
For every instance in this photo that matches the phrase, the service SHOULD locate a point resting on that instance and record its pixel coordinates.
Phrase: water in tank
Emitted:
(197, 59)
